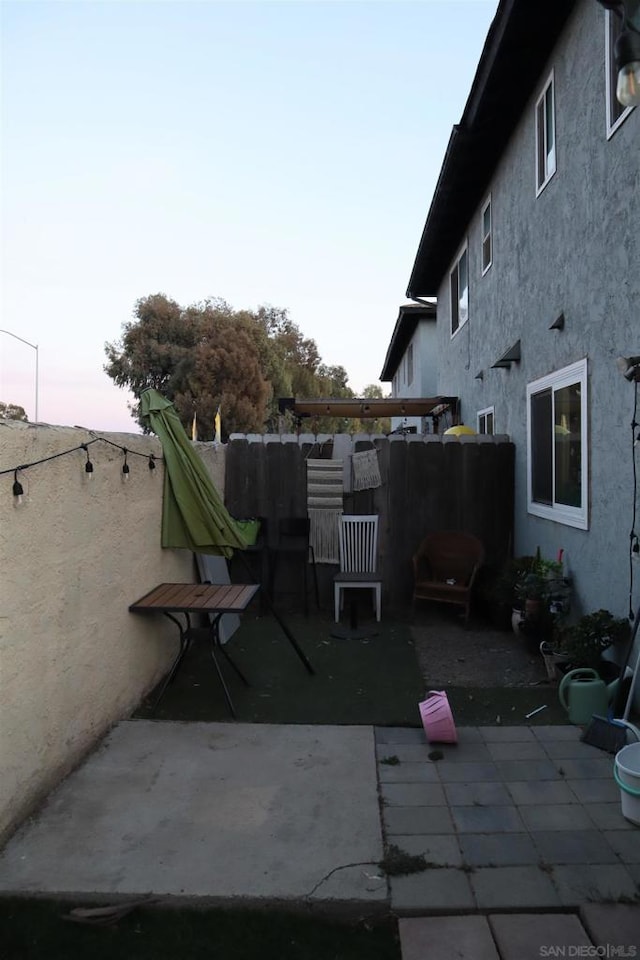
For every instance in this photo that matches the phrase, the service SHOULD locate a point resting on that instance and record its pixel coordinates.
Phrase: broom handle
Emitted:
(627, 709)
(634, 632)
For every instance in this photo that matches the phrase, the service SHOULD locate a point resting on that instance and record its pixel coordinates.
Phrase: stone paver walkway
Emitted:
(511, 818)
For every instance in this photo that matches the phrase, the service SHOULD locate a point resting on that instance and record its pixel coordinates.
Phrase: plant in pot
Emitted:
(536, 592)
(583, 642)
(508, 608)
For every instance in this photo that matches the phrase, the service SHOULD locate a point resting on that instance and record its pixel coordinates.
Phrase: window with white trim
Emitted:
(545, 136)
(557, 447)
(485, 420)
(616, 113)
(459, 285)
(487, 243)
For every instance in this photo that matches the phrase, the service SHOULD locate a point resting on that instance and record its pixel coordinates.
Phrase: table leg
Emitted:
(185, 643)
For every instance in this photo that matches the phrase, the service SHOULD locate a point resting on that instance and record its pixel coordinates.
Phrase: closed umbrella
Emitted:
(193, 514)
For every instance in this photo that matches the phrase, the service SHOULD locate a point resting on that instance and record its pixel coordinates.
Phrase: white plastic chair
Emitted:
(358, 545)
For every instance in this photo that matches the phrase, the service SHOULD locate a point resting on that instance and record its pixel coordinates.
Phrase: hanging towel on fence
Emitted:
(366, 472)
(324, 506)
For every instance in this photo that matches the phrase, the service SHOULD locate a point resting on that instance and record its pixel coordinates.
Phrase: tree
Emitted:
(11, 411)
(209, 355)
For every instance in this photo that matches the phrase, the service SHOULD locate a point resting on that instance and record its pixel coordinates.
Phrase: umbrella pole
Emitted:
(264, 593)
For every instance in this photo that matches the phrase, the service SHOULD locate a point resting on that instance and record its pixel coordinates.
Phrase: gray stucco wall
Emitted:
(425, 371)
(574, 249)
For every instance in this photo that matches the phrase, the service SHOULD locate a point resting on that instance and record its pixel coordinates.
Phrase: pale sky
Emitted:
(283, 153)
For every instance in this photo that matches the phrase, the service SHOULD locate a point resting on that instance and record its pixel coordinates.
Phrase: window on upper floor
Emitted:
(557, 449)
(459, 285)
(545, 136)
(487, 244)
(485, 420)
(616, 113)
(410, 365)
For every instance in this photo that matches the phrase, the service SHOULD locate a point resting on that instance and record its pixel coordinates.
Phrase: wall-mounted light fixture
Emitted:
(629, 367)
(558, 323)
(627, 50)
(479, 375)
(512, 355)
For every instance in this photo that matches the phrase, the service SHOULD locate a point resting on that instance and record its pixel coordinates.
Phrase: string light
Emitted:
(18, 491)
(17, 488)
(88, 467)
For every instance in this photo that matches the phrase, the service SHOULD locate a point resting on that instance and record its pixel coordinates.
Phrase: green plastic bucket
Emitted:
(626, 770)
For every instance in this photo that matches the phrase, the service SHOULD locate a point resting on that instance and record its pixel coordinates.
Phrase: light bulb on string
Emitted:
(88, 467)
(125, 465)
(152, 462)
(18, 491)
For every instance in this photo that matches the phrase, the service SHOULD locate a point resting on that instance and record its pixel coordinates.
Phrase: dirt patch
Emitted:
(451, 654)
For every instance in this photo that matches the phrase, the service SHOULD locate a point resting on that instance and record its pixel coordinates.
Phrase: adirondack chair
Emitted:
(358, 545)
(445, 567)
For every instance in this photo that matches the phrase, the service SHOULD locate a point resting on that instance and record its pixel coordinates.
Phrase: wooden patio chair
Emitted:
(445, 567)
(358, 545)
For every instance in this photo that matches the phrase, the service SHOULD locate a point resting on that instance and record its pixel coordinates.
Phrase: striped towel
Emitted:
(324, 506)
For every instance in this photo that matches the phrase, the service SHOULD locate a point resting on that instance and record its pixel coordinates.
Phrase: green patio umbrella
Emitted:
(193, 514)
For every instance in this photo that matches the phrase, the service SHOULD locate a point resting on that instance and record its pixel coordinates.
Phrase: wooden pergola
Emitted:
(371, 409)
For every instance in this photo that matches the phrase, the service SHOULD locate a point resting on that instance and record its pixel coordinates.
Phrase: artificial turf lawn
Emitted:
(507, 706)
(35, 930)
(375, 680)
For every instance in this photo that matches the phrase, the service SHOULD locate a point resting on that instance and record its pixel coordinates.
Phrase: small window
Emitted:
(557, 446)
(460, 292)
(485, 420)
(487, 246)
(410, 365)
(616, 113)
(545, 137)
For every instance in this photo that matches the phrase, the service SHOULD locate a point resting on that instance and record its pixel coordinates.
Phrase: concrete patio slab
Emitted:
(213, 810)
(437, 938)
(615, 926)
(520, 937)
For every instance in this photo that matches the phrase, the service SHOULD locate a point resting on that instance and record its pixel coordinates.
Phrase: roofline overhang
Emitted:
(409, 316)
(519, 42)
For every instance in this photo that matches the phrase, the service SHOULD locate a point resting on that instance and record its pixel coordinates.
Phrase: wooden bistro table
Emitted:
(198, 598)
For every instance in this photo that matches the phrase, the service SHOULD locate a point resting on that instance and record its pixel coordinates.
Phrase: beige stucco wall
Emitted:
(73, 556)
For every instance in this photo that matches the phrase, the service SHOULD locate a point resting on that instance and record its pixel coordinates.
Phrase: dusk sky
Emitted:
(280, 153)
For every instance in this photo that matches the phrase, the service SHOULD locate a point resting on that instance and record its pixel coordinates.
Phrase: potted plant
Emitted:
(507, 607)
(538, 592)
(583, 643)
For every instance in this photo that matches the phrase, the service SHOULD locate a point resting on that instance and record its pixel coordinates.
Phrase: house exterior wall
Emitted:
(425, 372)
(74, 555)
(574, 250)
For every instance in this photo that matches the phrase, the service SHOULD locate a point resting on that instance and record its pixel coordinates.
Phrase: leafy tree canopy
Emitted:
(209, 356)
(11, 411)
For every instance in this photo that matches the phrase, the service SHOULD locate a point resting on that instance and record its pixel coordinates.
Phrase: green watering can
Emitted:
(583, 692)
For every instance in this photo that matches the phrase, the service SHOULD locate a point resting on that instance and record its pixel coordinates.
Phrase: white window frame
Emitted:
(546, 159)
(463, 253)
(611, 77)
(483, 414)
(486, 239)
(560, 512)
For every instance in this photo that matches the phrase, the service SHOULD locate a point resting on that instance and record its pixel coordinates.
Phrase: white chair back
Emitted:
(358, 543)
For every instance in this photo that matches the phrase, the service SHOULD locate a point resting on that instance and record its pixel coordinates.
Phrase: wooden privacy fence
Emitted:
(425, 483)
